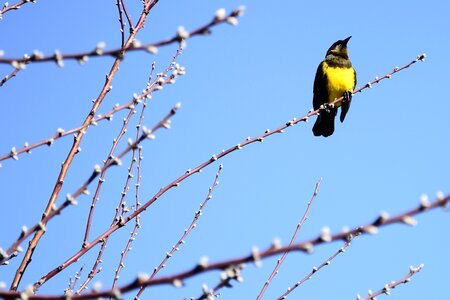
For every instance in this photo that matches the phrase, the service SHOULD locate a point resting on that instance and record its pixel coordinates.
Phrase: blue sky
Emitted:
(240, 81)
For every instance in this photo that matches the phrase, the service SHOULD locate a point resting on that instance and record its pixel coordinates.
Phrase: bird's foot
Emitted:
(327, 107)
(347, 96)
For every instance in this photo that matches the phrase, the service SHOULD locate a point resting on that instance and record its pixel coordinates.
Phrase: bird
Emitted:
(335, 77)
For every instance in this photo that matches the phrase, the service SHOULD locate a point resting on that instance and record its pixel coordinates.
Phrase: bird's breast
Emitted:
(339, 80)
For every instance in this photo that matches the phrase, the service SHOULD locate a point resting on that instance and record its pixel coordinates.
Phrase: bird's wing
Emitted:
(320, 91)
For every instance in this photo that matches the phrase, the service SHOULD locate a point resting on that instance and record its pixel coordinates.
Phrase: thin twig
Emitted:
(122, 24)
(316, 269)
(182, 239)
(137, 224)
(130, 23)
(120, 207)
(73, 283)
(8, 77)
(227, 276)
(152, 47)
(109, 158)
(294, 237)
(14, 6)
(389, 286)
(158, 82)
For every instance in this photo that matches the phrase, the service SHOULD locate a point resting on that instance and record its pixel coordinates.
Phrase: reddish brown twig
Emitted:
(119, 207)
(294, 237)
(134, 46)
(227, 276)
(130, 23)
(389, 286)
(14, 6)
(73, 283)
(182, 239)
(8, 77)
(137, 204)
(316, 269)
(122, 24)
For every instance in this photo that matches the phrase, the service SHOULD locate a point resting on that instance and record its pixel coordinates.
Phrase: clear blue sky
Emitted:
(240, 81)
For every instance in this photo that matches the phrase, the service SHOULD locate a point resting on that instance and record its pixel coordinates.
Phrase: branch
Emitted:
(297, 230)
(306, 246)
(122, 24)
(197, 169)
(8, 77)
(316, 269)
(135, 45)
(182, 239)
(232, 273)
(71, 199)
(156, 85)
(14, 6)
(121, 206)
(73, 283)
(49, 141)
(137, 223)
(388, 287)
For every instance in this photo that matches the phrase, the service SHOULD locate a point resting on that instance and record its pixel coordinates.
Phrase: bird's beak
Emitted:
(346, 40)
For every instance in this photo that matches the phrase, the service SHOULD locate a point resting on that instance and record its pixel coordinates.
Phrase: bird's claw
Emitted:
(347, 96)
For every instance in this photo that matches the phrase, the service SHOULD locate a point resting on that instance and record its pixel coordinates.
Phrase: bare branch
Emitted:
(294, 237)
(8, 77)
(71, 199)
(197, 169)
(226, 277)
(74, 150)
(137, 204)
(316, 269)
(132, 46)
(73, 283)
(306, 246)
(393, 284)
(155, 86)
(182, 239)
(49, 141)
(122, 24)
(14, 6)
(130, 23)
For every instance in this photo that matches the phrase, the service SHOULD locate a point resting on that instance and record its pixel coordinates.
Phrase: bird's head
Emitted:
(339, 48)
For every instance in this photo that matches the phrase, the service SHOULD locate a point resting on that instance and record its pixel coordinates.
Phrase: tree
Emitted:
(79, 246)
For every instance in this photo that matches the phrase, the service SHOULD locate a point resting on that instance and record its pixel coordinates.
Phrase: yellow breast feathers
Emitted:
(340, 80)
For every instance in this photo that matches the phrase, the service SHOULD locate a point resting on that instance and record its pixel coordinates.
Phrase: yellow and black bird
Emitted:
(335, 77)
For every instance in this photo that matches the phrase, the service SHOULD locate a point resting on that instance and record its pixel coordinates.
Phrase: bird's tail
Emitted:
(324, 124)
